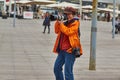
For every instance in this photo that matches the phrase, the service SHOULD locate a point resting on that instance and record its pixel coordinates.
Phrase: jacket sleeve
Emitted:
(56, 27)
(71, 30)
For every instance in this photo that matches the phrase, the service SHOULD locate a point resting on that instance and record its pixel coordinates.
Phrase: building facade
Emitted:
(2, 5)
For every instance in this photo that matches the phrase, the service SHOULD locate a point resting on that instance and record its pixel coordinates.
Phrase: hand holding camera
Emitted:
(60, 17)
(60, 22)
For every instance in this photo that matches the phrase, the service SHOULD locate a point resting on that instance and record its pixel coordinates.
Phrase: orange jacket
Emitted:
(71, 31)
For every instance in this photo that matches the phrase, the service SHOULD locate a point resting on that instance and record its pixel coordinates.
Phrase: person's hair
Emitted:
(47, 13)
(70, 10)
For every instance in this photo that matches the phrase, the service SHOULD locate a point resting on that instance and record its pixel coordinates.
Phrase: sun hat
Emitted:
(68, 10)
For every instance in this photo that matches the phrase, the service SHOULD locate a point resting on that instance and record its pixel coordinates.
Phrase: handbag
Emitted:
(44, 23)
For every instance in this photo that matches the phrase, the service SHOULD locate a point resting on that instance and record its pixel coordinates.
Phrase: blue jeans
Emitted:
(67, 59)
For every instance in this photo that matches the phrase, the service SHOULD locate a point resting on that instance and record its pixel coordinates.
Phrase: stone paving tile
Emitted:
(26, 53)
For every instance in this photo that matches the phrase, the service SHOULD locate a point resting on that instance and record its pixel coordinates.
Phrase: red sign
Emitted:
(28, 15)
(7, 0)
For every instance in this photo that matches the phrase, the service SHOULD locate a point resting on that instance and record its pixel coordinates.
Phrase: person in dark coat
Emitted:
(108, 17)
(46, 22)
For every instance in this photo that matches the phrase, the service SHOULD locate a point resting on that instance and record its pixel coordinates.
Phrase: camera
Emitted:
(76, 52)
(58, 17)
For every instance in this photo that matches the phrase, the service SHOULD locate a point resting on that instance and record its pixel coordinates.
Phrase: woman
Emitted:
(46, 22)
(67, 42)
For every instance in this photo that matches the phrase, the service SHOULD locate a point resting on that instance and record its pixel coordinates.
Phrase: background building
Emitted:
(2, 6)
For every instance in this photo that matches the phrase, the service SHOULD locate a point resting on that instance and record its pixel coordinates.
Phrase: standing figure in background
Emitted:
(46, 22)
(108, 17)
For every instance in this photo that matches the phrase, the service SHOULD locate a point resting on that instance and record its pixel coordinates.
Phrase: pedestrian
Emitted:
(117, 25)
(108, 16)
(67, 45)
(46, 22)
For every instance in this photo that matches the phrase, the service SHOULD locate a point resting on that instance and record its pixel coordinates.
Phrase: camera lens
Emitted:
(60, 17)
(57, 17)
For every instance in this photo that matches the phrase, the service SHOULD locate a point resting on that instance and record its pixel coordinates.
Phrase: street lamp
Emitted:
(5, 5)
(14, 13)
(80, 1)
(113, 28)
(9, 7)
(92, 63)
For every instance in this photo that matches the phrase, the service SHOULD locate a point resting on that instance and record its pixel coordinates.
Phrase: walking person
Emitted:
(67, 45)
(46, 22)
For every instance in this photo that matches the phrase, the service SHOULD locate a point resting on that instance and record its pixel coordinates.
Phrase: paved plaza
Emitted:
(26, 53)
